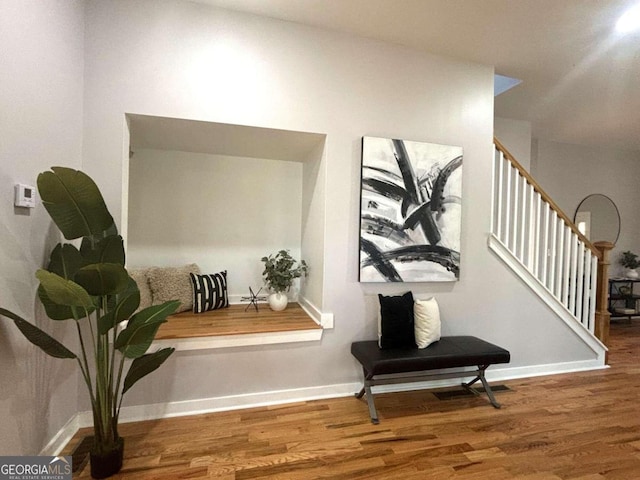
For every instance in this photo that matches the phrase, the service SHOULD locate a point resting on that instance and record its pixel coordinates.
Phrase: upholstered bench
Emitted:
(405, 365)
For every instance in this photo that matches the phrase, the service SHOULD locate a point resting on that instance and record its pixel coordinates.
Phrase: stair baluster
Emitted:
(540, 237)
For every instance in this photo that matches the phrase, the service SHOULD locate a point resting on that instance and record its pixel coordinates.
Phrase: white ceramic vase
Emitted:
(278, 301)
(631, 273)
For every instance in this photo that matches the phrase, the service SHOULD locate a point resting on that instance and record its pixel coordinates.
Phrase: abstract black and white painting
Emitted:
(410, 211)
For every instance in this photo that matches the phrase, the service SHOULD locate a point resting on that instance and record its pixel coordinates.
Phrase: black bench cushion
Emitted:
(448, 352)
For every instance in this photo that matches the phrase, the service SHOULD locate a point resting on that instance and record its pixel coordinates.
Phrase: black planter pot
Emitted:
(105, 464)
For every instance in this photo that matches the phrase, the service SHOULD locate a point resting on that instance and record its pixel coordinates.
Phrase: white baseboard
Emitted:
(233, 402)
(324, 319)
(156, 411)
(235, 299)
(497, 375)
(500, 374)
(60, 439)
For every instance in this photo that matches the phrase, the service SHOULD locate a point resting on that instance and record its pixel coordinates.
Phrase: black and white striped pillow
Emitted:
(209, 291)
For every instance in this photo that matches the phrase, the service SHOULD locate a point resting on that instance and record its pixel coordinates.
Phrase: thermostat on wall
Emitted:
(25, 196)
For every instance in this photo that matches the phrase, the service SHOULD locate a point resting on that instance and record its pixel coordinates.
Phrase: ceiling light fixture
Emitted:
(629, 21)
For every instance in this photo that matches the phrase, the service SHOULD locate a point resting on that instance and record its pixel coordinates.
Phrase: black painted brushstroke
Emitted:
(385, 189)
(406, 170)
(378, 261)
(414, 195)
(383, 227)
(448, 199)
(411, 220)
(437, 196)
(446, 257)
(423, 215)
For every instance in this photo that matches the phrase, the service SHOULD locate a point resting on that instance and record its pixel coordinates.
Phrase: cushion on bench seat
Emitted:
(448, 352)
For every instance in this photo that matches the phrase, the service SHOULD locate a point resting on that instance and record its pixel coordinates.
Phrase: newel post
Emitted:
(603, 317)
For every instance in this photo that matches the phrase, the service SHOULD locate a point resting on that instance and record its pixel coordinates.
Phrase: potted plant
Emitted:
(90, 286)
(279, 272)
(630, 262)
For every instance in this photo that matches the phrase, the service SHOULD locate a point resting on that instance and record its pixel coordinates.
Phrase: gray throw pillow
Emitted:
(173, 283)
(140, 276)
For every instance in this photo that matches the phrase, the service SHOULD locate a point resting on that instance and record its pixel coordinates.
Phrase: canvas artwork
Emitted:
(410, 211)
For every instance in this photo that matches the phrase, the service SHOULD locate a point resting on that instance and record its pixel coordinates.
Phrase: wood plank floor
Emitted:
(236, 320)
(583, 426)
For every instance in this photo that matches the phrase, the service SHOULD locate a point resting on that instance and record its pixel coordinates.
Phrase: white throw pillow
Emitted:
(426, 316)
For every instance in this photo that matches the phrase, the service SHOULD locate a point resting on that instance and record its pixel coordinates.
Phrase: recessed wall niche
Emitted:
(223, 196)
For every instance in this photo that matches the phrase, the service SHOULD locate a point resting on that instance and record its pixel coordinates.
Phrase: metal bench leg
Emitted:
(366, 389)
(485, 384)
(372, 406)
(487, 389)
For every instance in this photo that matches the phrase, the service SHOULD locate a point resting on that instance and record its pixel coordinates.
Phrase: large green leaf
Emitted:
(144, 365)
(44, 341)
(64, 292)
(54, 311)
(134, 343)
(126, 304)
(102, 278)
(106, 322)
(74, 202)
(106, 250)
(135, 340)
(58, 312)
(128, 301)
(111, 230)
(65, 260)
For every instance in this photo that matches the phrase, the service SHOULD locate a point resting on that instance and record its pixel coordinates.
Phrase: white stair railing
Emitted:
(541, 238)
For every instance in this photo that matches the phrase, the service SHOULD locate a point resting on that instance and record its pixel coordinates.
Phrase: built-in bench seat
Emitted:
(405, 365)
(237, 325)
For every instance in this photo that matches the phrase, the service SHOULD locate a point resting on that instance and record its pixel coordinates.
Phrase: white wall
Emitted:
(41, 123)
(571, 172)
(515, 135)
(184, 60)
(220, 212)
(314, 191)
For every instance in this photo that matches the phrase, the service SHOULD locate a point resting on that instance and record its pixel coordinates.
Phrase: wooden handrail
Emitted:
(547, 198)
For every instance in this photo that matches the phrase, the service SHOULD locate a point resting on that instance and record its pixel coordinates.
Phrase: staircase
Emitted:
(537, 240)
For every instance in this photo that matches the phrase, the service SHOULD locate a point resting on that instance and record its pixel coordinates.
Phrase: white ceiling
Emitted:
(580, 80)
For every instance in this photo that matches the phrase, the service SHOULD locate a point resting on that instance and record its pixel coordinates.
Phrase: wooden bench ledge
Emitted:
(234, 320)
